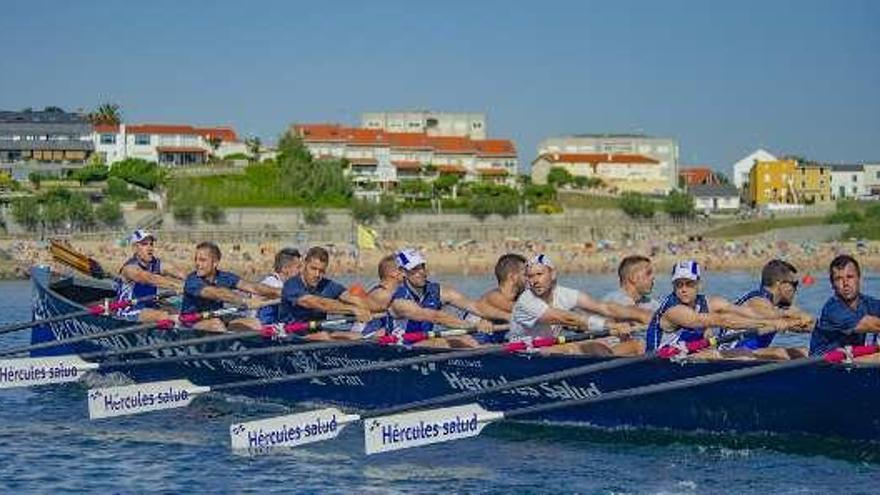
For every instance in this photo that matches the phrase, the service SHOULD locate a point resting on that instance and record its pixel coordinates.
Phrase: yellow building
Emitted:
(789, 182)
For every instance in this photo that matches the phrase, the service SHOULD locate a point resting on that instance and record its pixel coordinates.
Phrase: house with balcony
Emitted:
(169, 145)
(623, 172)
(789, 181)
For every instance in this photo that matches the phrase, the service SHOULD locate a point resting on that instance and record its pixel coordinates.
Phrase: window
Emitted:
(803, 184)
(877, 174)
(142, 139)
(855, 178)
(108, 138)
(477, 125)
(854, 190)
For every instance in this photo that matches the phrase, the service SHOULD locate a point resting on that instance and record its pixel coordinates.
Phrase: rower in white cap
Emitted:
(141, 276)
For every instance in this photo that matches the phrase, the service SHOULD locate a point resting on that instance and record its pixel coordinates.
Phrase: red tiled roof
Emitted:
(495, 147)
(180, 149)
(492, 172)
(596, 158)
(451, 169)
(320, 132)
(224, 133)
(452, 145)
(698, 175)
(407, 165)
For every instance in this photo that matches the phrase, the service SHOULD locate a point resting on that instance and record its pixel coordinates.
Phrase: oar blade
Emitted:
(139, 398)
(415, 429)
(291, 430)
(29, 372)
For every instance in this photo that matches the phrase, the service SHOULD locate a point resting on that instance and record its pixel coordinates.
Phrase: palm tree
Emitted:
(106, 114)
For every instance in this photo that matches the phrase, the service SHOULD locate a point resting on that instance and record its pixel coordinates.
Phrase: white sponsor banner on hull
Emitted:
(26, 372)
(291, 430)
(402, 431)
(139, 398)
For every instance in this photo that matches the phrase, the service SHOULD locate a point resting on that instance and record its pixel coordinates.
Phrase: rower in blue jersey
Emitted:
(417, 304)
(141, 276)
(379, 296)
(686, 315)
(774, 299)
(848, 316)
(207, 288)
(310, 296)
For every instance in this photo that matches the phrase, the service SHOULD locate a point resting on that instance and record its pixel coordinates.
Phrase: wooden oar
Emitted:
(242, 434)
(413, 429)
(106, 308)
(64, 253)
(126, 400)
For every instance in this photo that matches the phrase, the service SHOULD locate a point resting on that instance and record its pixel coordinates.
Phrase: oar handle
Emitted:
(849, 353)
(111, 306)
(299, 327)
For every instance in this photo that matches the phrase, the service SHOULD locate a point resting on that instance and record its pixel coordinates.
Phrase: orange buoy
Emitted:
(808, 280)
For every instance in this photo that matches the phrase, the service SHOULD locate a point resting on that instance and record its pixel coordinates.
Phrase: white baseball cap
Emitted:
(140, 235)
(688, 269)
(541, 259)
(409, 259)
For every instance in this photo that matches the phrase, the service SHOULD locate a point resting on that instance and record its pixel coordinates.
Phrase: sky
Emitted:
(722, 78)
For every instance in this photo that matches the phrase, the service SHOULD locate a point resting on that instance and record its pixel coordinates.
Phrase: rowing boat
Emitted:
(823, 399)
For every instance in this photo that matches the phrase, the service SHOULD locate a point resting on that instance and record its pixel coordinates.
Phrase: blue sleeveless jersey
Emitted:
(654, 338)
(385, 321)
(755, 341)
(127, 289)
(430, 300)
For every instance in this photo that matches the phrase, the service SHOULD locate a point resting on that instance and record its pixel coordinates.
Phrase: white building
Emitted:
(164, 144)
(848, 181)
(663, 150)
(376, 156)
(720, 198)
(461, 124)
(624, 172)
(872, 179)
(742, 168)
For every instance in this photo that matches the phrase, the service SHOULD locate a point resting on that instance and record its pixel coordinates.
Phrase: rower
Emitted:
(310, 295)
(288, 263)
(773, 299)
(848, 315)
(379, 296)
(546, 307)
(510, 276)
(686, 315)
(207, 288)
(635, 276)
(417, 304)
(141, 276)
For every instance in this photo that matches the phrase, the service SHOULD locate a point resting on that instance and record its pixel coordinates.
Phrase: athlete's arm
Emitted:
(139, 275)
(868, 324)
(497, 300)
(403, 308)
(258, 289)
(613, 310)
(326, 305)
(455, 298)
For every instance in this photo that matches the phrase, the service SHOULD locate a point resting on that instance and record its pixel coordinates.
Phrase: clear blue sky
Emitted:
(792, 76)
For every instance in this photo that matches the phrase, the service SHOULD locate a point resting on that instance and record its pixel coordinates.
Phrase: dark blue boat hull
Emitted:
(824, 400)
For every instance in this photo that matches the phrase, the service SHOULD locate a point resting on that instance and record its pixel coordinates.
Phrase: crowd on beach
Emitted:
(252, 260)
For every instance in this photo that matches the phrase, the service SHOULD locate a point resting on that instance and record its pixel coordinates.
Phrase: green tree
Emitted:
(26, 212)
(90, 173)
(36, 178)
(184, 214)
(364, 211)
(445, 183)
(314, 216)
(389, 209)
(80, 213)
(480, 206)
(109, 213)
(253, 145)
(679, 205)
(558, 177)
(106, 114)
(637, 205)
(140, 172)
(212, 213)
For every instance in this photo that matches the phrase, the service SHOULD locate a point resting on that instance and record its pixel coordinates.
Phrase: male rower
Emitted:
(310, 295)
(686, 315)
(417, 304)
(141, 276)
(288, 263)
(773, 299)
(848, 316)
(546, 307)
(510, 275)
(379, 296)
(207, 288)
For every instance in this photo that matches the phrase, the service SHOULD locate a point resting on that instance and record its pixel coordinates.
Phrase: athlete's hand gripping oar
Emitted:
(24, 372)
(106, 308)
(125, 400)
(401, 431)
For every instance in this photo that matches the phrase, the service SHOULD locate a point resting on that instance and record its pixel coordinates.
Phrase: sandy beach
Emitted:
(252, 261)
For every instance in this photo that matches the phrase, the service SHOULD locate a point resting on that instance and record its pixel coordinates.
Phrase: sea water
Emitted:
(48, 444)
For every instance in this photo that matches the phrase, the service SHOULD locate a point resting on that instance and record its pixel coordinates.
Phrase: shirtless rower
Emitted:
(141, 276)
(379, 296)
(546, 307)
(686, 315)
(417, 304)
(510, 276)
(310, 295)
(207, 288)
